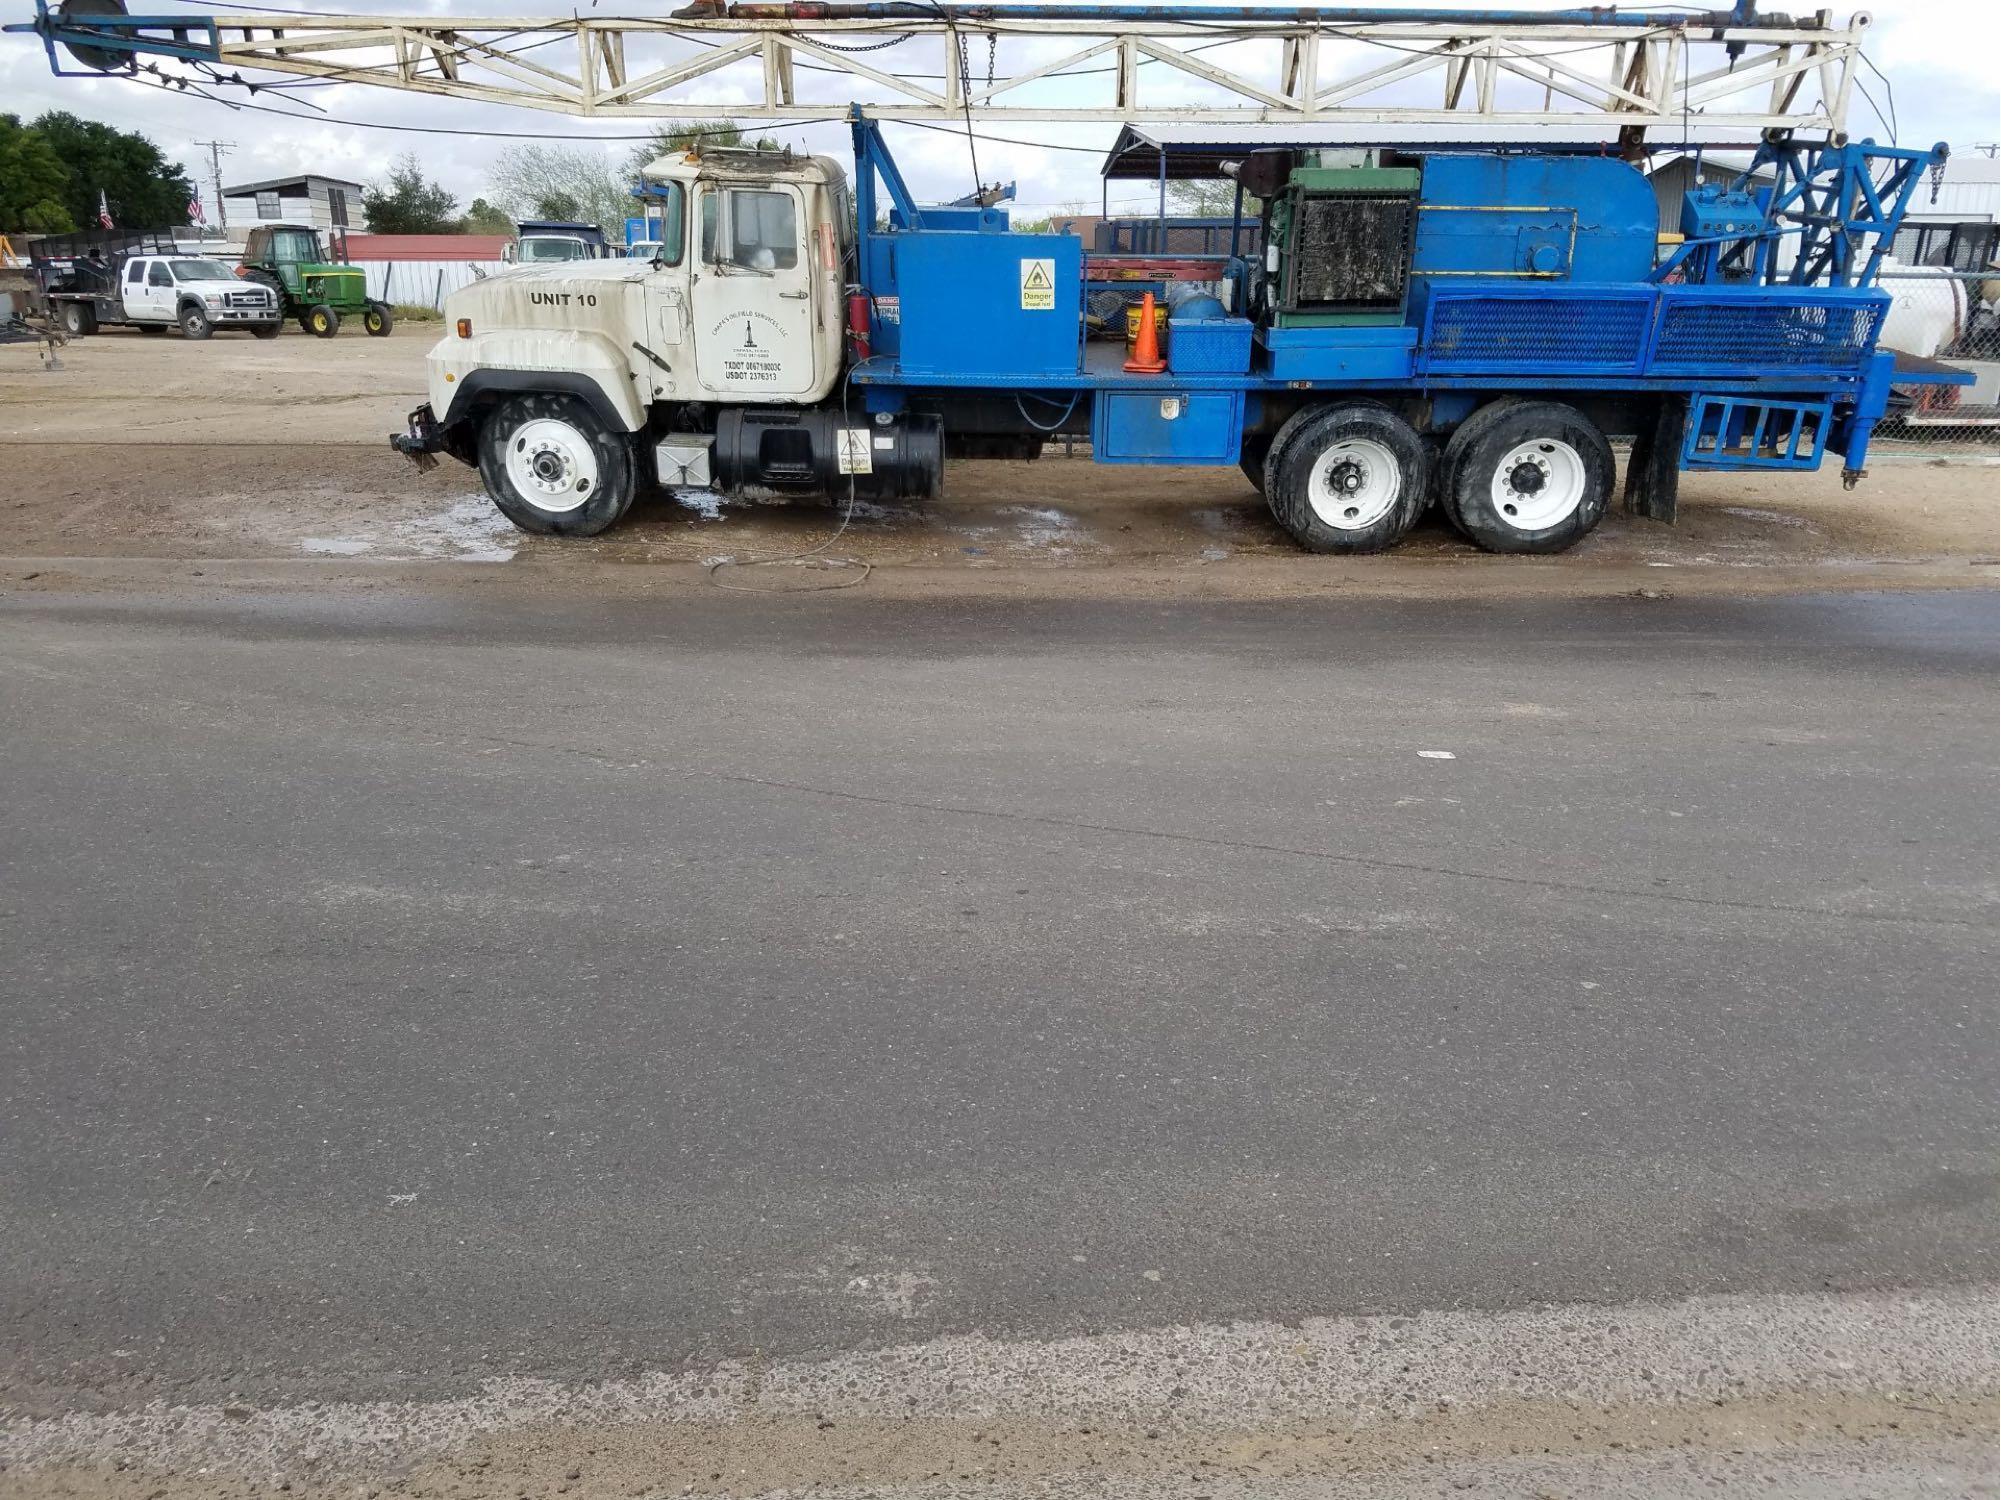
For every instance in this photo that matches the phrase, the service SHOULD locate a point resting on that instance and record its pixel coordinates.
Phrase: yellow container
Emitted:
(1132, 323)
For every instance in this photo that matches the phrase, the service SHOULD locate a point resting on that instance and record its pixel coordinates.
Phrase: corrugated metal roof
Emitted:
(426, 246)
(244, 189)
(1969, 190)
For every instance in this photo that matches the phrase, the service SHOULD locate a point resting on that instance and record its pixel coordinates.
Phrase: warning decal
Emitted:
(853, 455)
(1038, 286)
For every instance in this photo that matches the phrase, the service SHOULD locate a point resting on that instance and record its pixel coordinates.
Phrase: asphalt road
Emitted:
(406, 988)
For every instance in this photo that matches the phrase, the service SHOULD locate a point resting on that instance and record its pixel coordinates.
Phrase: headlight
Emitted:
(211, 299)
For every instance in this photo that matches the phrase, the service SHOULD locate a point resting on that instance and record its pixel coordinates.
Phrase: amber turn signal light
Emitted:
(465, 328)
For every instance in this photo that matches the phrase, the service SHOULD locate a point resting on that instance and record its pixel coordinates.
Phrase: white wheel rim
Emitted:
(1354, 484)
(1538, 484)
(552, 465)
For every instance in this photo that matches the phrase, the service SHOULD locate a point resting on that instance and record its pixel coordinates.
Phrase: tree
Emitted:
(407, 204)
(1208, 198)
(141, 187)
(485, 218)
(33, 181)
(561, 182)
(674, 137)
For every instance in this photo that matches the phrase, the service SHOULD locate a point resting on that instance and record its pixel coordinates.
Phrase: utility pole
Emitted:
(216, 151)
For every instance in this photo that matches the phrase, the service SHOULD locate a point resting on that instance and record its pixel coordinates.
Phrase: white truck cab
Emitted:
(569, 383)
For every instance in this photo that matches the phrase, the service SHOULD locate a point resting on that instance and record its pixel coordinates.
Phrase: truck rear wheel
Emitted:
(79, 318)
(553, 467)
(1534, 476)
(194, 322)
(1351, 478)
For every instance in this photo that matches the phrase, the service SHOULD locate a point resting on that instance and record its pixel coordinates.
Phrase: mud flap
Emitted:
(1653, 469)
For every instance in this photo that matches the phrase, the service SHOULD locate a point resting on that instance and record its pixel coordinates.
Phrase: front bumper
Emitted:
(422, 439)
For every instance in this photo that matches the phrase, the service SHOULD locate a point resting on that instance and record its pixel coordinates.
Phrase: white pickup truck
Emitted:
(153, 293)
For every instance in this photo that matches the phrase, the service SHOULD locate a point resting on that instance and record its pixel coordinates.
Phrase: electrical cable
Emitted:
(712, 568)
(1056, 426)
(512, 135)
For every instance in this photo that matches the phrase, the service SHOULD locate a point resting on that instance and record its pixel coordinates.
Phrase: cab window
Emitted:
(293, 246)
(157, 275)
(764, 231)
(138, 272)
(673, 223)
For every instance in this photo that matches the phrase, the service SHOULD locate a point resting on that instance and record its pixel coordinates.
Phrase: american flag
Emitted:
(103, 210)
(195, 214)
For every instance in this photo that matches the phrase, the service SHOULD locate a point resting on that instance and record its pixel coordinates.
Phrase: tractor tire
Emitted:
(553, 467)
(321, 321)
(194, 322)
(379, 320)
(1535, 477)
(1352, 478)
(79, 319)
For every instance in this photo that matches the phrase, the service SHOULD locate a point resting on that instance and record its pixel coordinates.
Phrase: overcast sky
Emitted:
(1942, 57)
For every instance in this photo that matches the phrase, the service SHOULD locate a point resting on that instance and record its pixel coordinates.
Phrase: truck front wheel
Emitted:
(553, 467)
(195, 323)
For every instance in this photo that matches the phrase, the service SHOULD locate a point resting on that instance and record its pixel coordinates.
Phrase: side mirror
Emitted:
(507, 253)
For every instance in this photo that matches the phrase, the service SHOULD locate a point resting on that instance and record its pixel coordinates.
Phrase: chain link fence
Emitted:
(1943, 318)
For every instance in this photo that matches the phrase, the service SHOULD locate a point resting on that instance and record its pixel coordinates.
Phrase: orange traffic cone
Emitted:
(1146, 358)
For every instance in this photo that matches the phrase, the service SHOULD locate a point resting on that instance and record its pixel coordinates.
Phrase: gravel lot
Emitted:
(243, 452)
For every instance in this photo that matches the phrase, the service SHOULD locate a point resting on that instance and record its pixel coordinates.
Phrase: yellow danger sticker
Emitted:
(1038, 286)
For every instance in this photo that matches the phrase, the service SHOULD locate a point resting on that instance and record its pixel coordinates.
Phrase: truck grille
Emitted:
(258, 298)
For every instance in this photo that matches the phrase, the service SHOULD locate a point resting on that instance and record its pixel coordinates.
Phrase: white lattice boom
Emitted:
(1791, 75)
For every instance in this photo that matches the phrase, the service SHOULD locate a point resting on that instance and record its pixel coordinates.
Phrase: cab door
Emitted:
(133, 292)
(159, 293)
(752, 299)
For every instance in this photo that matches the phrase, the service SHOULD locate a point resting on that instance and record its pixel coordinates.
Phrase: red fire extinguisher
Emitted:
(858, 339)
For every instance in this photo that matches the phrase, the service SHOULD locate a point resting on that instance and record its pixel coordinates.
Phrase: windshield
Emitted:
(202, 270)
(294, 245)
(553, 249)
(642, 249)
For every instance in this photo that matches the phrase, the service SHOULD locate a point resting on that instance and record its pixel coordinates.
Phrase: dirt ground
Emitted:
(269, 461)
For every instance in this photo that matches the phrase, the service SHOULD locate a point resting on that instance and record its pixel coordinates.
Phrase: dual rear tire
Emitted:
(1526, 477)
(1517, 476)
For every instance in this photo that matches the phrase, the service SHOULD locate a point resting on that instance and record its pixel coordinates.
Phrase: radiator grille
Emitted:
(1497, 333)
(1819, 336)
(1351, 251)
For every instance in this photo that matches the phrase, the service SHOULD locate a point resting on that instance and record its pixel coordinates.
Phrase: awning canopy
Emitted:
(1198, 151)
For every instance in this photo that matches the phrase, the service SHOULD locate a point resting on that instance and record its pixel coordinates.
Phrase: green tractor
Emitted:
(290, 260)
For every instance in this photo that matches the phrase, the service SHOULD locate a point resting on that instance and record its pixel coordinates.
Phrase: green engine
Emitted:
(1340, 241)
